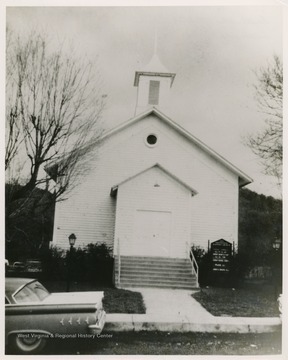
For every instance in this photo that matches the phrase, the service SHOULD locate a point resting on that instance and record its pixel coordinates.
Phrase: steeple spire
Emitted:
(155, 41)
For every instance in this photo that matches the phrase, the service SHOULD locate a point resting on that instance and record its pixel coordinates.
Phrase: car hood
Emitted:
(87, 297)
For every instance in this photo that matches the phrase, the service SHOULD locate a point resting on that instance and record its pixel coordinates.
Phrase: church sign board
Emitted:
(221, 251)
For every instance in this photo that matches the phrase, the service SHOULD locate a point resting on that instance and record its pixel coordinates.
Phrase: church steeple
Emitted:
(154, 83)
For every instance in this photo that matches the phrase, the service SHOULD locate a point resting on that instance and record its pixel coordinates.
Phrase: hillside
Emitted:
(260, 223)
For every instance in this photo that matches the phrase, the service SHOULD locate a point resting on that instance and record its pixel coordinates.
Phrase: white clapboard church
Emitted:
(154, 191)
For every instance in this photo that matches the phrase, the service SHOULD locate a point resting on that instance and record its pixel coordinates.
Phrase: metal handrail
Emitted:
(195, 267)
(119, 261)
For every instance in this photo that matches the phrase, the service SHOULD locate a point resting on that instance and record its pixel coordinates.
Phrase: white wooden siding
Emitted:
(90, 211)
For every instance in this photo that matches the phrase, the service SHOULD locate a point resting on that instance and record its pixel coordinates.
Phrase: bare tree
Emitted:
(54, 104)
(13, 136)
(53, 111)
(267, 144)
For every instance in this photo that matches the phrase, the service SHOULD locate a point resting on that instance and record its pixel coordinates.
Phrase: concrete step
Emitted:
(155, 266)
(192, 286)
(152, 260)
(152, 269)
(155, 272)
(158, 280)
(158, 258)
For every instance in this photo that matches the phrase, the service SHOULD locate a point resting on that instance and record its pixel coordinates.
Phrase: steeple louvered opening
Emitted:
(153, 83)
(154, 89)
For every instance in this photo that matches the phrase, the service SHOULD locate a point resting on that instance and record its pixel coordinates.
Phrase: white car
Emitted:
(33, 316)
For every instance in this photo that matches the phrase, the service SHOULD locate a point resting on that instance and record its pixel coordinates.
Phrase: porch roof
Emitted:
(114, 189)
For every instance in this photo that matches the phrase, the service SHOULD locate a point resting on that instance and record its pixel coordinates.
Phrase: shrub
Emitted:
(93, 263)
(203, 260)
(99, 263)
(54, 263)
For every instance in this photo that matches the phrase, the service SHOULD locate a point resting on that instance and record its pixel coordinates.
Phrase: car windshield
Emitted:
(32, 292)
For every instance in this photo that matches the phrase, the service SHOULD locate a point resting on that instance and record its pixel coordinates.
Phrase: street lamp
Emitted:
(72, 239)
(276, 244)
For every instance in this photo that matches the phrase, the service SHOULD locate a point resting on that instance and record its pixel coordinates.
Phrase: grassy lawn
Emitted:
(256, 301)
(115, 300)
(165, 343)
(123, 301)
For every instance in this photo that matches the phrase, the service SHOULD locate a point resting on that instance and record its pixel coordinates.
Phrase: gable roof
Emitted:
(114, 188)
(243, 178)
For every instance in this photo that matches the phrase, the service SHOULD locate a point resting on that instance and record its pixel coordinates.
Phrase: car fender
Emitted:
(67, 318)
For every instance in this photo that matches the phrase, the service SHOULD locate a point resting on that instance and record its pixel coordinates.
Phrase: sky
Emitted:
(214, 51)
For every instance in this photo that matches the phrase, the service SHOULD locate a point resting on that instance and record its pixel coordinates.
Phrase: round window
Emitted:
(151, 139)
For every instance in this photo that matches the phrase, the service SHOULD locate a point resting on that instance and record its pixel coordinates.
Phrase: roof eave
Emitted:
(148, 73)
(244, 181)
